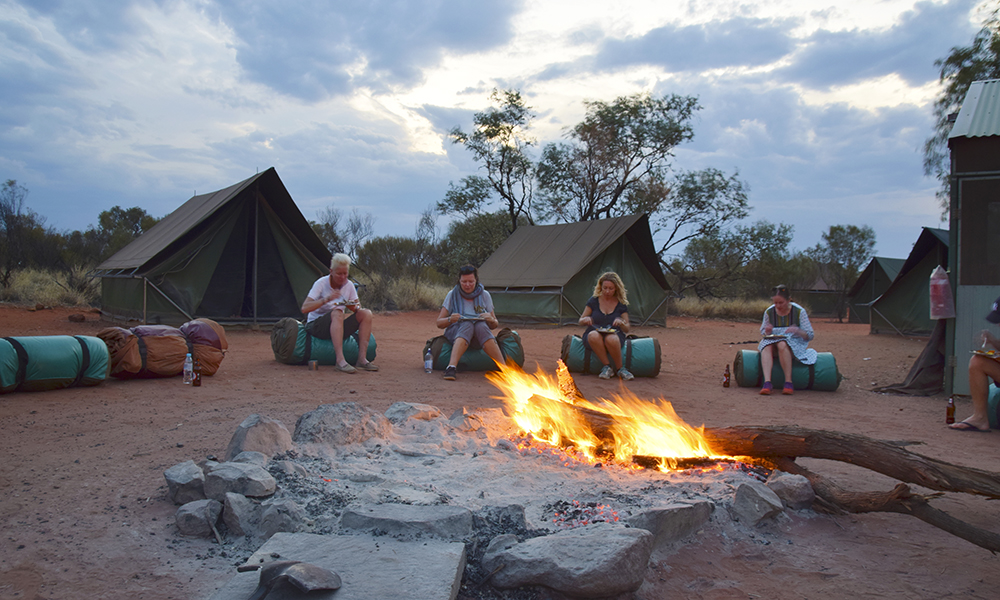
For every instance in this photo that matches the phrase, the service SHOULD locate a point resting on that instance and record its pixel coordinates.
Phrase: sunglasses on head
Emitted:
(466, 270)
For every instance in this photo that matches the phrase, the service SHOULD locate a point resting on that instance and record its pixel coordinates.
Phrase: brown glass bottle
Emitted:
(196, 375)
(949, 415)
(725, 377)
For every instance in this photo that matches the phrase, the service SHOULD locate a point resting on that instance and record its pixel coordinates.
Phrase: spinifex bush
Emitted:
(51, 288)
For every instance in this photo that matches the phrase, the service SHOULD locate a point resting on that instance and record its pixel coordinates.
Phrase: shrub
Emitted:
(52, 288)
(386, 294)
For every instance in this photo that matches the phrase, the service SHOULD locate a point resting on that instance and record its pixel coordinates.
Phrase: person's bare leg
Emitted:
(458, 348)
(614, 348)
(337, 335)
(364, 317)
(981, 369)
(785, 360)
(767, 362)
(492, 350)
(594, 339)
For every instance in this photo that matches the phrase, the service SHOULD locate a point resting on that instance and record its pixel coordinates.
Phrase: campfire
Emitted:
(625, 430)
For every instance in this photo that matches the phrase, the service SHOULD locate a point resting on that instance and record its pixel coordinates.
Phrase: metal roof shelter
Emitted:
(242, 254)
(871, 284)
(547, 273)
(974, 230)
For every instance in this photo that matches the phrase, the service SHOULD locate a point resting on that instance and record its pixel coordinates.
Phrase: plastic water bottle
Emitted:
(188, 369)
(428, 362)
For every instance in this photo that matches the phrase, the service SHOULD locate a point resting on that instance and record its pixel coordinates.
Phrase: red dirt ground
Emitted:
(84, 511)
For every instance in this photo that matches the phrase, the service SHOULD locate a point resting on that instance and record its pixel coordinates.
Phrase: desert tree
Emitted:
(618, 147)
(13, 228)
(962, 66)
(840, 256)
(499, 142)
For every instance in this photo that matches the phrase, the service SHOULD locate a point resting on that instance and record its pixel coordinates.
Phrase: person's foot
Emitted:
(450, 373)
(766, 390)
(346, 368)
(625, 375)
(367, 366)
(606, 372)
(788, 389)
(966, 426)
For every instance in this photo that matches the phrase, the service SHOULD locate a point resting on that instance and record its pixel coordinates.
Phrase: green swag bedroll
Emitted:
(52, 362)
(822, 376)
(476, 359)
(641, 356)
(293, 346)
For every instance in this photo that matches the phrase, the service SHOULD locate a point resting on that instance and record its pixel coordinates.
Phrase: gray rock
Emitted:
(503, 518)
(341, 424)
(239, 478)
(505, 444)
(251, 457)
(281, 515)
(401, 411)
(595, 561)
(261, 434)
(292, 468)
(197, 518)
(369, 569)
(672, 522)
(794, 490)
(448, 522)
(755, 502)
(462, 420)
(240, 514)
(185, 482)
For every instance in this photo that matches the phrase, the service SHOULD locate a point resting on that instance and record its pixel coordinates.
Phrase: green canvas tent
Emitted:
(242, 254)
(872, 283)
(546, 273)
(904, 307)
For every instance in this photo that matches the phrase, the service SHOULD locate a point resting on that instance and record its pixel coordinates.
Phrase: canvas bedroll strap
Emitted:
(22, 362)
(84, 362)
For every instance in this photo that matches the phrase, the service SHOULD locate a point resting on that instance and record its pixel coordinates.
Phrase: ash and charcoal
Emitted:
(466, 480)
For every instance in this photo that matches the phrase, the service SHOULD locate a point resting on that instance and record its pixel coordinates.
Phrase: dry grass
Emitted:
(733, 310)
(52, 288)
(381, 294)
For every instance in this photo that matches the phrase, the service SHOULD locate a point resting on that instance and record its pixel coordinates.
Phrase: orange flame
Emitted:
(623, 426)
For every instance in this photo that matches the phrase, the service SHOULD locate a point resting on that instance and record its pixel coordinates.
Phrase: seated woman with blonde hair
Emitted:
(606, 318)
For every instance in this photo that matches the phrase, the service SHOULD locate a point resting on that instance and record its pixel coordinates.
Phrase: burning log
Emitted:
(770, 446)
(887, 458)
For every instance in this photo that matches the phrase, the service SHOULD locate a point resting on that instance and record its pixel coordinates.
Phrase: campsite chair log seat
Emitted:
(822, 376)
(293, 346)
(475, 358)
(641, 356)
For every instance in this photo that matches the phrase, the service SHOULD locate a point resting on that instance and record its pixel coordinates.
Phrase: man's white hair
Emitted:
(340, 260)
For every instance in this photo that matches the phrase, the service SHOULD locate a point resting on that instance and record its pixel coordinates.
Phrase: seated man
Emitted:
(325, 306)
(981, 370)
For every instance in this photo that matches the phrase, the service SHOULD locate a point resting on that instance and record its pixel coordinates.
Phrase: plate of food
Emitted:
(774, 336)
(605, 329)
(464, 318)
(987, 353)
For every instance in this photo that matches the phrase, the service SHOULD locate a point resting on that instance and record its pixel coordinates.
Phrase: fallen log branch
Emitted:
(882, 457)
(899, 500)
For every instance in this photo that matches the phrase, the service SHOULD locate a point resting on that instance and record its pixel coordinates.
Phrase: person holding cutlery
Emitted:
(606, 318)
(786, 331)
(468, 320)
(326, 304)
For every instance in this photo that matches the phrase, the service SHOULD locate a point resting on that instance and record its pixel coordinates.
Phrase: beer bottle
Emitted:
(725, 377)
(949, 417)
(196, 374)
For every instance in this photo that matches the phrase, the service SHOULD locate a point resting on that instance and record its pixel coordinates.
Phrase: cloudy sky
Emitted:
(822, 107)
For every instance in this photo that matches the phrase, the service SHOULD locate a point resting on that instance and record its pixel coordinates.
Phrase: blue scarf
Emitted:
(456, 302)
